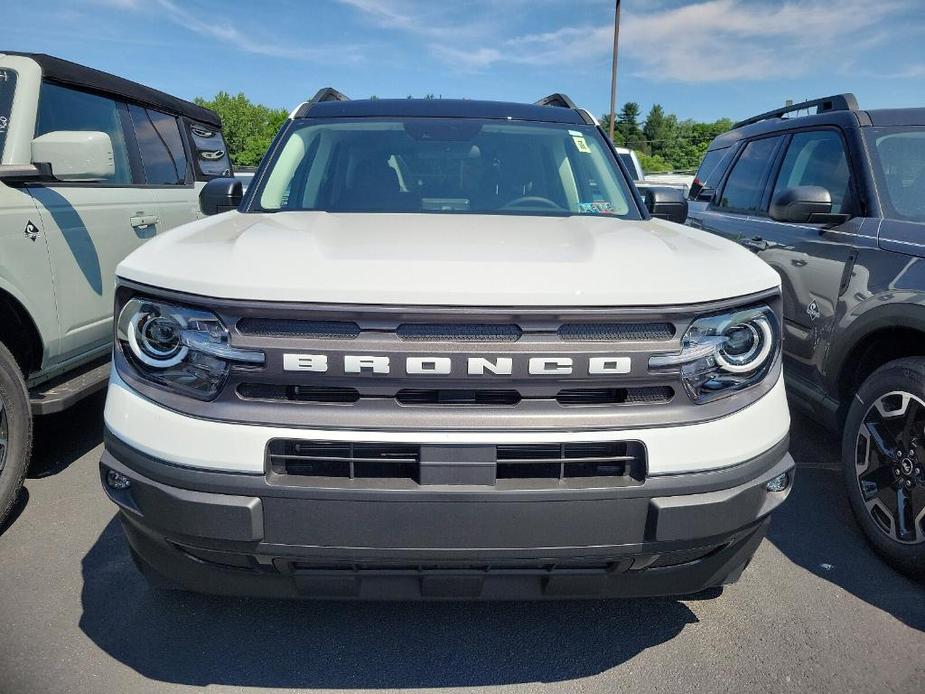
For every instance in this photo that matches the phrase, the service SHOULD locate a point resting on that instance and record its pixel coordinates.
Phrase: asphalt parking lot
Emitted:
(816, 611)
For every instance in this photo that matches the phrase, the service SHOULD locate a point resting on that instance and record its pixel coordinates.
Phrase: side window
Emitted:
(745, 184)
(162, 156)
(818, 159)
(211, 152)
(7, 87)
(710, 171)
(61, 108)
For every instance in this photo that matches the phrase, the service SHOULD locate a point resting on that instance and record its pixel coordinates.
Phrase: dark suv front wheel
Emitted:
(883, 458)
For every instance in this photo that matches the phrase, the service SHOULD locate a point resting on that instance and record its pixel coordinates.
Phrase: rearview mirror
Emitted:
(799, 205)
(668, 203)
(221, 195)
(75, 155)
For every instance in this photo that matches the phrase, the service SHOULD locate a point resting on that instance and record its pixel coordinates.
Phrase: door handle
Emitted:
(755, 244)
(144, 221)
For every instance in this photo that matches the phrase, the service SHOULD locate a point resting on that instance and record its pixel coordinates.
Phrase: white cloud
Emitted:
(249, 40)
(707, 41)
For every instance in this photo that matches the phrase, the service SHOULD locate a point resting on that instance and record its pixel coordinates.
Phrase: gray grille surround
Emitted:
(328, 401)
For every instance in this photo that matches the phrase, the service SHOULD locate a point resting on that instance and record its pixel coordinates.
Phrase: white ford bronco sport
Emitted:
(91, 166)
(443, 349)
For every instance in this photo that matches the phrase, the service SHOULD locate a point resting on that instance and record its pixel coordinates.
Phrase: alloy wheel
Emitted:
(890, 465)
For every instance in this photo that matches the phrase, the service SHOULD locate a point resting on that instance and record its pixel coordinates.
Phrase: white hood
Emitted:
(448, 260)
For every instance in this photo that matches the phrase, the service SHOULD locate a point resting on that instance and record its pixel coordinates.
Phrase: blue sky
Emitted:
(703, 59)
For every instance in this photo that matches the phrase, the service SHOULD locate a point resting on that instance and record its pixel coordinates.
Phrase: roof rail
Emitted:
(328, 94)
(838, 102)
(557, 99)
(562, 101)
(325, 94)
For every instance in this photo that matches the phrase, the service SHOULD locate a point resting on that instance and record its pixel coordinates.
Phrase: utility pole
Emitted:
(613, 69)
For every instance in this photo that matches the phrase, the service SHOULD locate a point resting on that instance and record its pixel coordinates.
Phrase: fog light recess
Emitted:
(779, 483)
(116, 480)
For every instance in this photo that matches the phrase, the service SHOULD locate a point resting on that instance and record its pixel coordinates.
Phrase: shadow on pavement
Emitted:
(816, 530)
(18, 507)
(60, 439)
(199, 640)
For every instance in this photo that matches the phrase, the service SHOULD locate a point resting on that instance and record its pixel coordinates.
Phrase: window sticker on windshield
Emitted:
(580, 143)
(598, 207)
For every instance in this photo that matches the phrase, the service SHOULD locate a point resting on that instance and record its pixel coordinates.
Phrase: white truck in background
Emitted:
(642, 180)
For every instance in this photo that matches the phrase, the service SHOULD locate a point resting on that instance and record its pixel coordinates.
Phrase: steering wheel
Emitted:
(531, 201)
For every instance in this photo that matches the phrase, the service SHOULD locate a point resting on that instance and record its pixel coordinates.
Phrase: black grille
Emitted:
(415, 396)
(651, 395)
(472, 332)
(345, 460)
(615, 332)
(321, 394)
(282, 327)
(625, 459)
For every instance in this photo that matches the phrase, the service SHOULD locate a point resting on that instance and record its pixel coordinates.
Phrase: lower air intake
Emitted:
(626, 459)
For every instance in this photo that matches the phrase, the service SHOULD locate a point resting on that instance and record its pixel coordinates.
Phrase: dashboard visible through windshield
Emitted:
(442, 165)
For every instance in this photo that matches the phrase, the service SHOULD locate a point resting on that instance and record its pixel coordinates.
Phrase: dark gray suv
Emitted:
(835, 202)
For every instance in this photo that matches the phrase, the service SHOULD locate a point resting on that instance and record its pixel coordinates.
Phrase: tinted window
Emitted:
(7, 87)
(444, 165)
(61, 108)
(710, 172)
(211, 151)
(818, 159)
(630, 165)
(746, 181)
(161, 148)
(900, 157)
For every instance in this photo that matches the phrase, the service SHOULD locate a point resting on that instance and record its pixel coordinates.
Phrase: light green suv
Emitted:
(91, 166)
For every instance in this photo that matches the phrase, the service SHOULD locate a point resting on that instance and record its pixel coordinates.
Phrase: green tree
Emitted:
(653, 163)
(617, 135)
(248, 127)
(628, 126)
(660, 130)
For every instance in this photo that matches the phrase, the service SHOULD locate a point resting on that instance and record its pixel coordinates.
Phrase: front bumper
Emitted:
(238, 534)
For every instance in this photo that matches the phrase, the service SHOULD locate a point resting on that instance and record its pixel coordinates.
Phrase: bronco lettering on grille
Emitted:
(443, 366)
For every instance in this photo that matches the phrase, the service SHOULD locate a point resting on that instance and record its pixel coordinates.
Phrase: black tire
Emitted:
(16, 428)
(908, 376)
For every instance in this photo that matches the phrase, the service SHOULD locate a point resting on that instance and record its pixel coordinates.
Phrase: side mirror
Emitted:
(221, 195)
(666, 203)
(75, 155)
(800, 205)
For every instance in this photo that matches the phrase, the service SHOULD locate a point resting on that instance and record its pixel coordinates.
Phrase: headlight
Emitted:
(725, 353)
(179, 348)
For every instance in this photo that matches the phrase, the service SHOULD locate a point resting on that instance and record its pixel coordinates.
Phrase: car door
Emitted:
(813, 260)
(730, 212)
(90, 226)
(166, 165)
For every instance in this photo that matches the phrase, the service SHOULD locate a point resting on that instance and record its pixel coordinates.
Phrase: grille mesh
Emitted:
(645, 395)
(615, 332)
(282, 327)
(474, 332)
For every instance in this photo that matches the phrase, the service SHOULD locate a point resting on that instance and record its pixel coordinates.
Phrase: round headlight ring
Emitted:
(141, 341)
(763, 339)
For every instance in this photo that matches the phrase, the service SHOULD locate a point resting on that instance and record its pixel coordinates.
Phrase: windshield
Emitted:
(899, 154)
(7, 87)
(442, 165)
